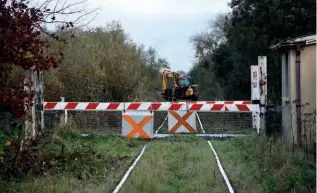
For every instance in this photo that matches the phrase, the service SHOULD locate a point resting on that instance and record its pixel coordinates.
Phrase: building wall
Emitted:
(308, 91)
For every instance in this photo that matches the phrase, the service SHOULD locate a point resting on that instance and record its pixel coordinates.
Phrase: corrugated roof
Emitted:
(303, 40)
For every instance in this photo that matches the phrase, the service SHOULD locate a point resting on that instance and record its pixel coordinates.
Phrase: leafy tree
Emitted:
(205, 71)
(20, 45)
(256, 25)
(247, 32)
(104, 64)
(23, 44)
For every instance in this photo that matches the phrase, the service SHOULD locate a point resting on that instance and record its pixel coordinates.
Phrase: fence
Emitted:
(106, 118)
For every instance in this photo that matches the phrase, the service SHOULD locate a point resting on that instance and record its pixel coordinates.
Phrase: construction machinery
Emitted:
(178, 87)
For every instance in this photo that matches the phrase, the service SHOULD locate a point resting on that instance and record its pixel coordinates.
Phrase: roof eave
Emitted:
(292, 44)
(303, 41)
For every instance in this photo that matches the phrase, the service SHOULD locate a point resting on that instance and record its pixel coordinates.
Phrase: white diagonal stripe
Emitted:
(232, 108)
(120, 107)
(60, 106)
(102, 106)
(145, 106)
(81, 106)
(164, 106)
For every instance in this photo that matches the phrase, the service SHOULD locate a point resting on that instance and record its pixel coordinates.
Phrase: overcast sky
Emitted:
(166, 25)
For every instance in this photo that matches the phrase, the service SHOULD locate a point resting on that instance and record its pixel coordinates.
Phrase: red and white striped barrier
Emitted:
(222, 102)
(200, 106)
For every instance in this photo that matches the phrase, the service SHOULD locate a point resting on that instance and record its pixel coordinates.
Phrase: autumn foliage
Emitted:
(20, 45)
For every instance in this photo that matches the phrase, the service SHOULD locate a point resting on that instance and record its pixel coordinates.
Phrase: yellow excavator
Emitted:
(178, 87)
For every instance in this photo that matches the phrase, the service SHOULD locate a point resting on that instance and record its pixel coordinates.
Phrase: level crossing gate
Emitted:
(149, 119)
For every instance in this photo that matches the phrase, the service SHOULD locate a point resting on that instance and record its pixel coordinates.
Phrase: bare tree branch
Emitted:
(56, 5)
(64, 13)
(88, 13)
(62, 8)
(45, 4)
(85, 24)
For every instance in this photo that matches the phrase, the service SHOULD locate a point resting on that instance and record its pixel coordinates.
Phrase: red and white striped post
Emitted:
(255, 95)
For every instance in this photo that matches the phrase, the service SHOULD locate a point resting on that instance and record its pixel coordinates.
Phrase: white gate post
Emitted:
(64, 119)
(255, 96)
(262, 62)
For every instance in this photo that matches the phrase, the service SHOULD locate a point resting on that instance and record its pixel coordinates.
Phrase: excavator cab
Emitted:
(187, 90)
(177, 87)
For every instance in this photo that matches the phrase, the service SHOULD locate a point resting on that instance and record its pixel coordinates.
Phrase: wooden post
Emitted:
(33, 85)
(28, 111)
(262, 62)
(42, 99)
(39, 101)
(34, 103)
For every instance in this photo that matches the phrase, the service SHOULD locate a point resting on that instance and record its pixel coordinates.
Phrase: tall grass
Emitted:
(181, 164)
(262, 164)
(78, 164)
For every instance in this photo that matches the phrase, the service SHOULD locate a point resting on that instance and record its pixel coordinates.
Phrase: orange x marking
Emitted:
(137, 128)
(182, 121)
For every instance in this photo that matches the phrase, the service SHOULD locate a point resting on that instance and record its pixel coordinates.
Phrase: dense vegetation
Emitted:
(99, 64)
(104, 64)
(235, 40)
(73, 163)
(267, 165)
(21, 46)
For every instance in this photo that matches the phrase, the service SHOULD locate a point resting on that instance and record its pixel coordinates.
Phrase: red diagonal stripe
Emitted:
(50, 105)
(92, 106)
(246, 102)
(196, 107)
(216, 107)
(134, 106)
(70, 106)
(113, 106)
(242, 107)
(210, 102)
(155, 106)
(175, 106)
(229, 102)
(226, 109)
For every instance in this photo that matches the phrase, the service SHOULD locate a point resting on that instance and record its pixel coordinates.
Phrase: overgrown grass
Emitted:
(260, 164)
(84, 164)
(178, 164)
